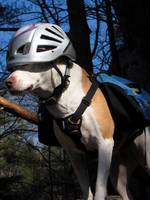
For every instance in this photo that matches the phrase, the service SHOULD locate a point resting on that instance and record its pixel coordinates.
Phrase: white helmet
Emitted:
(36, 43)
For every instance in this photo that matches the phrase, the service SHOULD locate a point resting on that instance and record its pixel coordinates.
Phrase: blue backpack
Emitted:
(129, 103)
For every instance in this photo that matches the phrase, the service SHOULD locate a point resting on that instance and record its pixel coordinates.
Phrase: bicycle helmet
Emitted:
(36, 43)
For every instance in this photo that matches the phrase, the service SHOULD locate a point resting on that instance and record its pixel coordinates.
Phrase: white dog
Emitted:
(36, 60)
(39, 58)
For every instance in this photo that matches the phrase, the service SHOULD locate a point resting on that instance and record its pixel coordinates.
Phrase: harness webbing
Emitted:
(61, 87)
(86, 101)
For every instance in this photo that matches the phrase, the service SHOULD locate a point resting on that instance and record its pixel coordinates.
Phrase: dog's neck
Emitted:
(71, 97)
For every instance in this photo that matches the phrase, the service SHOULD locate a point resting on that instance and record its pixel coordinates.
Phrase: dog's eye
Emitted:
(15, 68)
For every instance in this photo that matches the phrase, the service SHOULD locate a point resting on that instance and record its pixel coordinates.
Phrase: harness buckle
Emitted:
(69, 126)
(78, 122)
(50, 100)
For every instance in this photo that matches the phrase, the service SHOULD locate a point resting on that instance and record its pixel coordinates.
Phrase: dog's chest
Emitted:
(67, 105)
(92, 127)
(75, 135)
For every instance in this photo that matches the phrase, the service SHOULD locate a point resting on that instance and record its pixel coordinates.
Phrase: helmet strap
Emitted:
(62, 86)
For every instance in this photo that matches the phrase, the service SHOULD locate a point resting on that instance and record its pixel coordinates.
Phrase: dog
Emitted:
(41, 59)
(97, 125)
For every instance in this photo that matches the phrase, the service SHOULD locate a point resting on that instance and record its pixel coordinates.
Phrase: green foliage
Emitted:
(17, 160)
(28, 172)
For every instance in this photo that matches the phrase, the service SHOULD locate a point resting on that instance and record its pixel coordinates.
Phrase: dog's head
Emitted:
(38, 79)
(30, 50)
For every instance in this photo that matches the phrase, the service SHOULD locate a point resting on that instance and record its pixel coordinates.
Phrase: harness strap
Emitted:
(71, 124)
(86, 101)
(61, 87)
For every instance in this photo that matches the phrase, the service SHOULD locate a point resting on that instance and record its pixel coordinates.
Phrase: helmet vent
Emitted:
(50, 38)
(57, 30)
(42, 48)
(50, 31)
(24, 49)
(20, 49)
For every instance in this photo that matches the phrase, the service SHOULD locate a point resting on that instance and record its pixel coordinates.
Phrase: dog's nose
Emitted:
(10, 82)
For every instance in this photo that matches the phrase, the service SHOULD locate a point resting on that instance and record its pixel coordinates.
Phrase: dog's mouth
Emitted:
(20, 92)
(29, 88)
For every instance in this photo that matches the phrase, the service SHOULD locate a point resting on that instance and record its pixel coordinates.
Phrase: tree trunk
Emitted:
(134, 17)
(108, 11)
(80, 33)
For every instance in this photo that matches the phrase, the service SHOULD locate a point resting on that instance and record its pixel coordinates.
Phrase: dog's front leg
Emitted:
(78, 160)
(105, 148)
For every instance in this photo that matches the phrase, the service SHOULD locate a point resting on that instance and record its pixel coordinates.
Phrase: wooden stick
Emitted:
(18, 110)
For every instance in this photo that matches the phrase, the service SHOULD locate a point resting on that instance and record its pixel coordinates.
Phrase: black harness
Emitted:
(71, 124)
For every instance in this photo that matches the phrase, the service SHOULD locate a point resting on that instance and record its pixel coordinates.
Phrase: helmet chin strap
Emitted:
(62, 86)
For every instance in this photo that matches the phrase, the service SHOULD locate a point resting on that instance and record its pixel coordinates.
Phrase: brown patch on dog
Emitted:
(100, 107)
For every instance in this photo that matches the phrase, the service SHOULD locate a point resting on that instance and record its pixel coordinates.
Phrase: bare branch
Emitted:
(8, 29)
(97, 28)
(44, 7)
(18, 110)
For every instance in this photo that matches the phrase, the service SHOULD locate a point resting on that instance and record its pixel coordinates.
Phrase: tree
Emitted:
(80, 33)
(133, 18)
